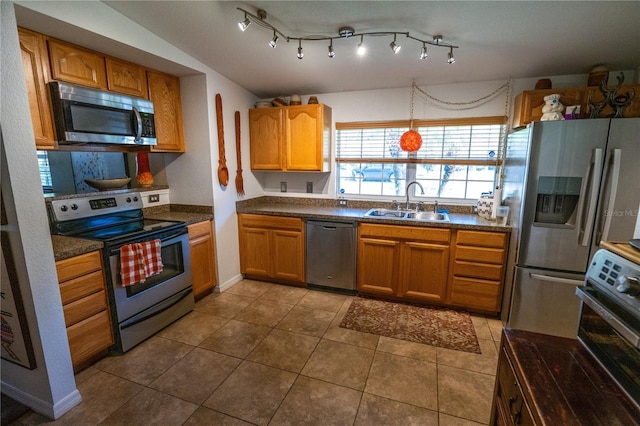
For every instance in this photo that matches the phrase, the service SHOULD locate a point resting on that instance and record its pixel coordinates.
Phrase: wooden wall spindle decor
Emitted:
(239, 182)
(223, 172)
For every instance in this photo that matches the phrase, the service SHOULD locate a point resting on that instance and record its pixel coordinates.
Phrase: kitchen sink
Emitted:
(428, 216)
(408, 215)
(386, 213)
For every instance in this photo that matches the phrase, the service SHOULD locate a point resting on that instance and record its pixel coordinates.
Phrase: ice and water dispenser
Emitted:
(557, 199)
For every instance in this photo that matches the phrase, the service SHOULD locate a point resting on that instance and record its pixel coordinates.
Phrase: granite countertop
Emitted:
(461, 217)
(65, 247)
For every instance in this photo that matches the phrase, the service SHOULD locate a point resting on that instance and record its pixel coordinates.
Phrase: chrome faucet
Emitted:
(435, 206)
(421, 189)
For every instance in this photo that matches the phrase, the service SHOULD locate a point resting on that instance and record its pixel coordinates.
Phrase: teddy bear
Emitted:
(552, 109)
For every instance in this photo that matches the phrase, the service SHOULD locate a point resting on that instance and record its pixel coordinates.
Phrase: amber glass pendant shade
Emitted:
(410, 141)
(143, 171)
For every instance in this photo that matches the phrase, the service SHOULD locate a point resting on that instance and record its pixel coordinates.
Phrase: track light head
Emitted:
(274, 40)
(451, 59)
(361, 49)
(423, 53)
(394, 47)
(331, 53)
(244, 24)
(300, 53)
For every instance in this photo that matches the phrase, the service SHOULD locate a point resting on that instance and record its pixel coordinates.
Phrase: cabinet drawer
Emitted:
(80, 265)
(80, 287)
(84, 308)
(271, 222)
(440, 235)
(482, 239)
(478, 270)
(89, 337)
(199, 229)
(480, 254)
(475, 293)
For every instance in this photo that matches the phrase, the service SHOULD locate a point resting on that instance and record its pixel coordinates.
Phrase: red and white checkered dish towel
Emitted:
(139, 261)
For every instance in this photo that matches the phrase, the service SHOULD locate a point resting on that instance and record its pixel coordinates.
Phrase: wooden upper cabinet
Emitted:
(266, 133)
(125, 77)
(164, 91)
(528, 104)
(305, 137)
(76, 65)
(36, 69)
(291, 138)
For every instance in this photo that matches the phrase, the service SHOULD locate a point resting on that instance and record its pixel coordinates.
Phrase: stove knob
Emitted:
(128, 199)
(135, 199)
(628, 285)
(74, 207)
(64, 208)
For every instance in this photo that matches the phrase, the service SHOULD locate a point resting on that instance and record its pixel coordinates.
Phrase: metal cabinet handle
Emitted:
(557, 280)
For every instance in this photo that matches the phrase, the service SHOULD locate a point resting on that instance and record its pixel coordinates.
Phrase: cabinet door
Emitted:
(164, 91)
(89, 338)
(424, 269)
(287, 255)
(378, 261)
(203, 265)
(76, 65)
(266, 136)
(304, 137)
(125, 77)
(35, 63)
(254, 252)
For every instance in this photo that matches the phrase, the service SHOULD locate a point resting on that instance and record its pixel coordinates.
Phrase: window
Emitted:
(457, 160)
(45, 171)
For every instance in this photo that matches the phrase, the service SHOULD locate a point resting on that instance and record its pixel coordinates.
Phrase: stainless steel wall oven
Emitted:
(609, 325)
(140, 310)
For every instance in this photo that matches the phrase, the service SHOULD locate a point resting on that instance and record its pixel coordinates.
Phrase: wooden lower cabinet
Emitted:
(478, 266)
(203, 258)
(509, 405)
(85, 306)
(403, 262)
(272, 248)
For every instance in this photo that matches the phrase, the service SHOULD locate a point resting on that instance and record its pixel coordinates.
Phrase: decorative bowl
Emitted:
(107, 184)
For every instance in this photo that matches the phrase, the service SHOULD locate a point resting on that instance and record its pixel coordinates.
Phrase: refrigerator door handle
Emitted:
(613, 190)
(592, 189)
(556, 280)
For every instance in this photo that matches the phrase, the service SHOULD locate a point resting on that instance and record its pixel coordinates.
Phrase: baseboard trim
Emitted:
(53, 411)
(229, 283)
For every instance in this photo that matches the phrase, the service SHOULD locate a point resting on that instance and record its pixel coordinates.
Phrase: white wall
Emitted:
(49, 388)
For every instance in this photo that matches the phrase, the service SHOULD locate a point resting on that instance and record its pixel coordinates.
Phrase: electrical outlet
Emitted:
(154, 198)
(283, 186)
(342, 202)
(309, 187)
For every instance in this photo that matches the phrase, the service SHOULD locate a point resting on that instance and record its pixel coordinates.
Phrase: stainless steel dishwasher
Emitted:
(331, 255)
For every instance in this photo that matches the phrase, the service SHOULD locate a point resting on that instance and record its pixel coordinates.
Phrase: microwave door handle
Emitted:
(613, 191)
(137, 123)
(609, 318)
(592, 190)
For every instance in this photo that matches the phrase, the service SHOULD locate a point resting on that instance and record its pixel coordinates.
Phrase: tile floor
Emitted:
(262, 353)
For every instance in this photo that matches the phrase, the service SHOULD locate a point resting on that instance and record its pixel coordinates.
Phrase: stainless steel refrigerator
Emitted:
(570, 184)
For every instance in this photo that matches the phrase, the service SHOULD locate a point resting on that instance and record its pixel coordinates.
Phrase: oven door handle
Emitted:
(616, 323)
(157, 309)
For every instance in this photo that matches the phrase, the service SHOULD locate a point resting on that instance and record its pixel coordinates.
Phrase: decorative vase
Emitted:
(143, 171)
(484, 206)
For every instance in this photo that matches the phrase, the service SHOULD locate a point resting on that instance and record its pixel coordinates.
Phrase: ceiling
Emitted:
(497, 40)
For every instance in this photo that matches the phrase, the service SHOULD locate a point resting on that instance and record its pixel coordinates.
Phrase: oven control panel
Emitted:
(95, 205)
(618, 276)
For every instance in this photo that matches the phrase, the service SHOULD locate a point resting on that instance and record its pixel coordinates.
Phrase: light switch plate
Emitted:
(283, 186)
(309, 187)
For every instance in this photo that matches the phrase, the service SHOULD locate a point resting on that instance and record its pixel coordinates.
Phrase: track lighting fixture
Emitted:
(343, 33)
(300, 53)
(244, 24)
(394, 47)
(451, 59)
(361, 49)
(423, 53)
(274, 40)
(331, 52)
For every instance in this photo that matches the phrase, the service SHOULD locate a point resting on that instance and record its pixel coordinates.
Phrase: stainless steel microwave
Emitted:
(83, 115)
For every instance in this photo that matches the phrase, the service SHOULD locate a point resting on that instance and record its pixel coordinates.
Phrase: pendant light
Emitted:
(411, 140)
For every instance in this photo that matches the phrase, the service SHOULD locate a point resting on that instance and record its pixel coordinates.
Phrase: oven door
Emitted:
(612, 335)
(174, 278)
